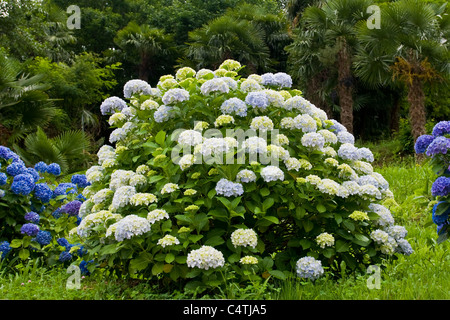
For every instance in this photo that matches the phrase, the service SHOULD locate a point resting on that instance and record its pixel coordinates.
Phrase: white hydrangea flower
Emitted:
(305, 123)
(214, 85)
(325, 240)
(255, 145)
(277, 152)
(94, 174)
(328, 186)
(186, 161)
(234, 105)
(139, 199)
(262, 123)
(168, 240)
(169, 188)
(385, 217)
(313, 140)
(287, 123)
(93, 220)
(248, 260)
(345, 137)
(122, 197)
(157, 215)
(250, 85)
(297, 103)
(102, 195)
(149, 104)
(104, 153)
(281, 139)
(330, 137)
(246, 176)
(223, 120)
(272, 173)
(136, 86)
(138, 180)
(131, 226)
(348, 151)
(190, 138)
(275, 98)
(244, 238)
(205, 258)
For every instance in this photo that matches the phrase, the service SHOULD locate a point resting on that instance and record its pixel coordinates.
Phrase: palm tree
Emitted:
(334, 24)
(24, 103)
(68, 149)
(144, 45)
(228, 37)
(408, 49)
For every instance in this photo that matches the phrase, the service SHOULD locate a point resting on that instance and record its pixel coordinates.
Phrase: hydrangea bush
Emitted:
(210, 177)
(437, 148)
(37, 212)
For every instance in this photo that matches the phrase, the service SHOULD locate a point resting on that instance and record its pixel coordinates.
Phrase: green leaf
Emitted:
(278, 274)
(328, 252)
(214, 241)
(24, 254)
(170, 257)
(16, 243)
(321, 208)
(442, 207)
(264, 192)
(160, 138)
(308, 225)
(268, 203)
(157, 268)
(139, 263)
(342, 246)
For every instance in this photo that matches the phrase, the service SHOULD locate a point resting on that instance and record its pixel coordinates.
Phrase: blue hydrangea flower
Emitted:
(2, 193)
(162, 114)
(65, 188)
(83, 267)
(65, 256)
(309, 268)
(234, 105)
(136, 86)
(3, 178)
(268, 79)
(57, 213)
(32, 217)
(72, 208)
(34, 173)
(80, 180)
(43, 237)
(64, 243)
(7, 154)
(283, 80)
(439, 145)
(43, 192)
(112, 105)
(442, 218)
(23, 184)
(15, 168)
(257, 99)
(228, 188)
(175, 95)
(41, 167)
(441, 128)
(422, 143)
(29, 229)
(4, 248)
(54, 169)
(441, 186)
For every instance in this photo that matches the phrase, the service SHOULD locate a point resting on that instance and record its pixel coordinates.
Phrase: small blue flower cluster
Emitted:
(228, 188)
(279, 79)
(4, 249)
(437, 146)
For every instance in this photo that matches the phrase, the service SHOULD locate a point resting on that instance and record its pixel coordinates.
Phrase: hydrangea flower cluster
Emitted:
(309, 268)
(253, 156)
(205, 258)
(437, 147)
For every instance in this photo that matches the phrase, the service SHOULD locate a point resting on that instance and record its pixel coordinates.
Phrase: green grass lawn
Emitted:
(423, 275)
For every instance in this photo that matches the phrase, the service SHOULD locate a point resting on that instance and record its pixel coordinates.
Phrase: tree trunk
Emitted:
(144, 69)
(313, 92)
(416, 99)
(394, 125)
(345, 85)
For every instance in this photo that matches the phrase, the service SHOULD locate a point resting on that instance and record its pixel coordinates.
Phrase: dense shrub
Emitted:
(436, 147)
(218, 178)
(37, 212)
